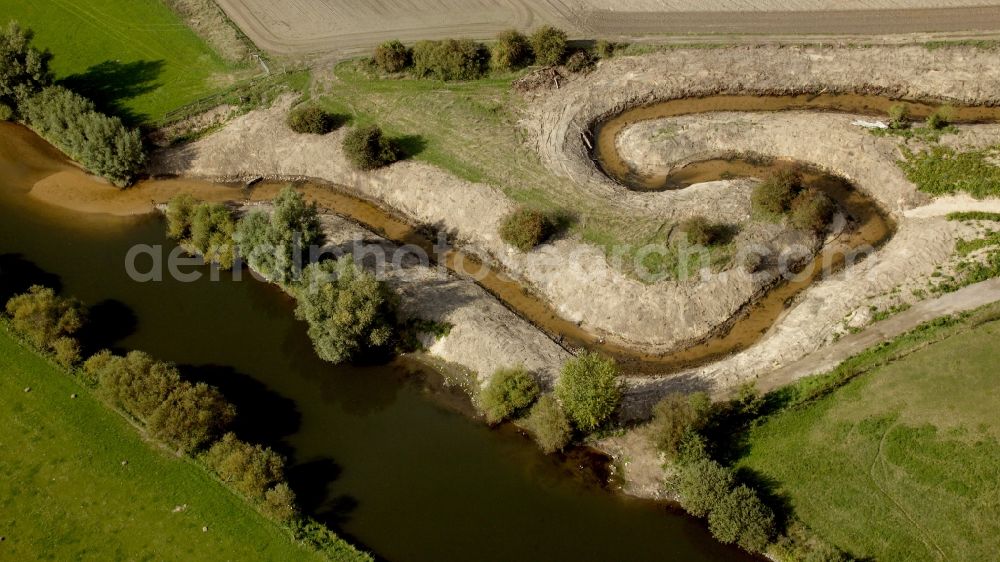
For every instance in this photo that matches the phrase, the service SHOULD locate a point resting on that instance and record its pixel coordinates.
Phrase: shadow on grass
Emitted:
(410, 146)
(111, 84)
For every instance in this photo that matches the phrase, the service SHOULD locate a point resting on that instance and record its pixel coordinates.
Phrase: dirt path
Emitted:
(827, 358)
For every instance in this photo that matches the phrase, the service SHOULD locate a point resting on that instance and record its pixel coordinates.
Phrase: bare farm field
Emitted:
(297, 27)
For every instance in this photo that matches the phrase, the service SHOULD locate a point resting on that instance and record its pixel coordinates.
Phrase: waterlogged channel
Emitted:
(382, 453)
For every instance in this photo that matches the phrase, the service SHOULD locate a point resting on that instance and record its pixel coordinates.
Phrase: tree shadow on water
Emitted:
(108, 322)
(18, 274)
(111, 84)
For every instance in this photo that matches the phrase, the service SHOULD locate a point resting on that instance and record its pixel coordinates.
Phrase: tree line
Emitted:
(28, 93)
(192, 418)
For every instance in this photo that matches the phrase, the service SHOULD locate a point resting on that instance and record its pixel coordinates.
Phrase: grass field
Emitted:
(136, 58)
(903, 462)
(65, 494)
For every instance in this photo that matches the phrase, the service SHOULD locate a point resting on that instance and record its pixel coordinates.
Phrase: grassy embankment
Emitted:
(135, 58)
(903, 461)
(470, 129)
(67, 495)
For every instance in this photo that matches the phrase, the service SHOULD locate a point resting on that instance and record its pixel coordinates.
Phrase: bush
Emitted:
(99, 142)
(701, 484)
(676, 416)
(66, 351)
(203, 228)
(367, 148)
(607, 49)
(251, 469)
(526, 228)
(191, 416)
(179, 210)
(549, 45)
(392, 57)
(24, 70)
(6, 113)
(740, 517)
(450, 59)
(812, 211)
(549, 424)
(94, 364)
(899, 116)
(940, 119)
(45, 318)
(701, 232)
(347, 309)
(309, 119)
(589, 390)
(279, 503)
(511, 51)
(276, 245)
(774, 195)
(136, 383)
(508, 392)
(799, 543)
(580, 61)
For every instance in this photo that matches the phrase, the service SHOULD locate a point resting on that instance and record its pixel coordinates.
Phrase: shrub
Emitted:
(191, 416)
(812, 211)
(549, 424)
(774, 195)
(99, 142)
(701, 484)
(526, 228)
(279, 503)
(450, 59)
(508, 392)
(589, 390)
(347, 309)
(66, 351)
(367, 148)
(94, 364)
(275, 245)
(6, 113)
(607, 49)
(392, 57)
(309, 119)
(137, 383)
(251, 469)
(740, 517)
(801, 544)
(45, 318)
(511, 51)
(579, 61)
(24, 70)
(549, 45)
(179, 210)
(700, 231)
(940, 119)
(674, 417)
(899, 116)
(203, 228)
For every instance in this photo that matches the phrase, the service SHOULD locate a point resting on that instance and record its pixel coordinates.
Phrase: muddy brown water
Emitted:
(379, 452)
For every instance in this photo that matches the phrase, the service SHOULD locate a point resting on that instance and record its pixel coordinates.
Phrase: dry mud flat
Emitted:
(664, 314)
(348, 26)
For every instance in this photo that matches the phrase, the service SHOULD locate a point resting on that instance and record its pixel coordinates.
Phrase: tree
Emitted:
(549, 44)
(675, 417)
(24, 70)
(526, 228)
(508, 392)
(309, 119)
(511, 51)
(701, 484)
(45, 318)
(589, 390)
(367, 148)
(279, 502)
(99, 142)
(276, 245)
(179, 210)
(348, 310)
(392, 56)
(450, 59)
(740, 517)
(251, 469)
(212, 229)
(549, 424)
(66, 351)
(137, 383)
(191, 416)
